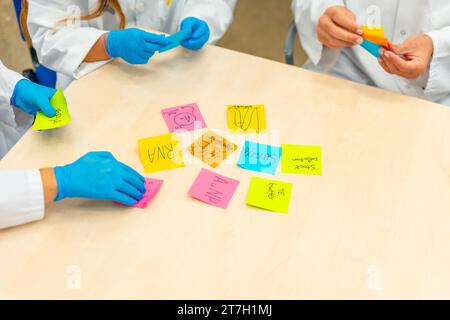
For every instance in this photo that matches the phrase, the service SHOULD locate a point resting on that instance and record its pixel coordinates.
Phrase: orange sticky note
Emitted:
(212, 149)
(382, 41)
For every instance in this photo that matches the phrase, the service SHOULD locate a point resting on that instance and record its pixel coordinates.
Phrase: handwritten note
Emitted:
(301, 159)
(160, 153)
(62, 117)
(259, 157)
(213, 188)
(212, 149)
(152, 187)
(271, 195)
(187, 118)
(246, 119)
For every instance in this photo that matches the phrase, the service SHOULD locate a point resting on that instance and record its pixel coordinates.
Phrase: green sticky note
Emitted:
(62, 117)
(301, 159)
(268, 194)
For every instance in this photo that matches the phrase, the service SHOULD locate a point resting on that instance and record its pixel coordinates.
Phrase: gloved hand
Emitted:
(135, 46)
(98, 175)
(199, 35)
(32, 97)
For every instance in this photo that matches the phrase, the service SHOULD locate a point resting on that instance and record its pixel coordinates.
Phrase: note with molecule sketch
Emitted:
(62, 117)
(246, 119)
(184, 118)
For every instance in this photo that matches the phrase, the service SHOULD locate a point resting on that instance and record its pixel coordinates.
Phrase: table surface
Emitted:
(375, 225)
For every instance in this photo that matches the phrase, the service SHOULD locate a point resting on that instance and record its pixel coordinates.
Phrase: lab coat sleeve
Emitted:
(21, 197)
(438, 85)
(217, 13)
(306, 15)
(8, 80)
(60, 46)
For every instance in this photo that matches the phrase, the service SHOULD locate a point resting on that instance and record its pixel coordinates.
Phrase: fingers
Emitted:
(101, 154)
(44, 105)
(201, 31)
(158, 39)
(335, 36)
(123, 199)
(134, 181)
(129, 190)
(131, 171)
(394, 64)
(345, 19)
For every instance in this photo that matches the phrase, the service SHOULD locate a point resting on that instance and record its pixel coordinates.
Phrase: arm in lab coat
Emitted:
(8, 81)
(60, 47)
(217, 13)
(307, 14)
(438, 85)
(21, 197)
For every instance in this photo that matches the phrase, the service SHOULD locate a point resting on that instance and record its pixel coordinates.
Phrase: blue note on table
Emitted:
(259, 157)
(176, 39)
(372, 47)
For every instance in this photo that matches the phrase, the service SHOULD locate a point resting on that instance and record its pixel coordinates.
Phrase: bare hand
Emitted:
(337, 28)
(410, 59)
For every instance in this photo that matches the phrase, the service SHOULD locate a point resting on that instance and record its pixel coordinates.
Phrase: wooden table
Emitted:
(375, 225)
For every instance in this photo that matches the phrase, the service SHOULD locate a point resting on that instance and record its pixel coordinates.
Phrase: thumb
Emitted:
(46, 107)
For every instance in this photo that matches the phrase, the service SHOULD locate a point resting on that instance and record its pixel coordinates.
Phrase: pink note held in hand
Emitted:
(213, 188)
(152, 187)
(186, 117)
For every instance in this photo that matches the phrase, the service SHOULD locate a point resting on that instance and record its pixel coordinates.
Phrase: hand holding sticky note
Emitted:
(374, 40)
(176, 39)
(152, 187)
(62, 117)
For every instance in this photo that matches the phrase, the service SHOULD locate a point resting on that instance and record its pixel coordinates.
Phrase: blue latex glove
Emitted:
(135, 46)
(32, 97)
(199, 35)
(98, 175)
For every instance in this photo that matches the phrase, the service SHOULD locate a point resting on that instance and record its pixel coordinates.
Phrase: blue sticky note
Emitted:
(372, 47)
(176, 38)
(259, 157)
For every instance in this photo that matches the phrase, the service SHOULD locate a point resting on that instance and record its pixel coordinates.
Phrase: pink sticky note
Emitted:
(187, 117)
(152, 187)
(213, 188)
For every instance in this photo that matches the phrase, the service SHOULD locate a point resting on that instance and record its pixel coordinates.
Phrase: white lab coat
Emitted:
(21, 191)
(63, 48)
(401, 19)
(13, 122)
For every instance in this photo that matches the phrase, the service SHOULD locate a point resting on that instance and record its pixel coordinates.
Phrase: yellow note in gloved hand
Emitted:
(62, 117)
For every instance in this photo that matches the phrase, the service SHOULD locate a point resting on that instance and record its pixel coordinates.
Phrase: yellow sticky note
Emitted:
(246, 119)
(212, 149)
(268, 194)
(373, 31)
(160, 153)
(301, 159)
(62, 117)
(168, 2)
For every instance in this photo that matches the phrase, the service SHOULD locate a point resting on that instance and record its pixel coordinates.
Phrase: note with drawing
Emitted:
(186, 117)
(213, 188)
(62, 117)
(246, 118)
(160, 153)
(259, 157)
(212, 149)
(301, 159)
(271, 195)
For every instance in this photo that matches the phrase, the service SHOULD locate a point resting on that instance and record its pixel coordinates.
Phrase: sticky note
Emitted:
(373, 31)
(213, 188)
(372, 48)
(186, 117)
(268, 194)
(212, 149)
(301, 159)
(62, 117)
(246, 119)
(259, 157)
(160, 153)
(176, 39)
(152, 187)
(382, 41)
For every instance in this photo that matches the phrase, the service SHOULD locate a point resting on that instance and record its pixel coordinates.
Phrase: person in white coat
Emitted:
(74, 37)
(24, 193)
(419, 62)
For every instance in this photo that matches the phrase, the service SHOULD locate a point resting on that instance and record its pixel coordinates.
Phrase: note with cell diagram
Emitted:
(213, 188)
(301, 159)
(268, 194)
(160, 153)
(246, 119)
(62, 117)
(184, 118)
(212, 149)
(259, 157)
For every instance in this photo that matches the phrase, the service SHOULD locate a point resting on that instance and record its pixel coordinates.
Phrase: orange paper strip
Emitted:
(378, 40)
